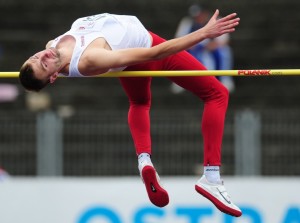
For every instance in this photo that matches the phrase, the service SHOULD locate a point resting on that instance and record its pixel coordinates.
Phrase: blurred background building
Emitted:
(93, 112)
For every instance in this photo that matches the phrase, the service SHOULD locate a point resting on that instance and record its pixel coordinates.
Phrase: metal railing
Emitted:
(98, 143)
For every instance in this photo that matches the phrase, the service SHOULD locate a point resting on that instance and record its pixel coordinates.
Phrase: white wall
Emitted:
(124, 200)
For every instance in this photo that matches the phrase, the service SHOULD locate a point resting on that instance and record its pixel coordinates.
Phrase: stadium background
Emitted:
(95, 126)
(78, 129)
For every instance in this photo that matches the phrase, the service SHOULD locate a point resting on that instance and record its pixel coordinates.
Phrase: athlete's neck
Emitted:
(65, 47)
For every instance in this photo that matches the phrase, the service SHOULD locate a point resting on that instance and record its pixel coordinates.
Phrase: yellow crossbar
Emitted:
(262, 72)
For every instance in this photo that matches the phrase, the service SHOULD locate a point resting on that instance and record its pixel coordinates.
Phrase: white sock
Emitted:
(212, 174)
(144, 157)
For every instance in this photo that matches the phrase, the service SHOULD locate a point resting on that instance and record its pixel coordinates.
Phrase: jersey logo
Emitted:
(82, 41)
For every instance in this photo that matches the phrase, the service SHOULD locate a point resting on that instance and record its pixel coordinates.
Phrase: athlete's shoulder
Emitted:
(48, 45)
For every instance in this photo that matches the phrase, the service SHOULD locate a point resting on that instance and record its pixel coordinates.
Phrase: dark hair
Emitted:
(28, 79)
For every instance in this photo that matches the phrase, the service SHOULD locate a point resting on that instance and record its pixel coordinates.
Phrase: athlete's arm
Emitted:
(101, 60)
(214, 28)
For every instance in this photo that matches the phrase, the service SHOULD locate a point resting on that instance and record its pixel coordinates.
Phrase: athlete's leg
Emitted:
(211, 91)
(138, 90)
(139, 94)
(215, 97)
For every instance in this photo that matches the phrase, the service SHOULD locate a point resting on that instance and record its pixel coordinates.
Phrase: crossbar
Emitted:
(262, 72)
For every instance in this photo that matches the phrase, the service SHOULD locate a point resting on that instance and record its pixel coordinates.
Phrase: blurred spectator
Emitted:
(8, 92)
(214, 54)
(3, 175)
(38, 101)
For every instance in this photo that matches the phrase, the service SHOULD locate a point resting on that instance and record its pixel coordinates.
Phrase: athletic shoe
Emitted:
(218, 195)
(157, 195)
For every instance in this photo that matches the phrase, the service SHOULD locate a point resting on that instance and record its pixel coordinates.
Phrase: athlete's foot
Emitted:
(157, 195)
(218, 195)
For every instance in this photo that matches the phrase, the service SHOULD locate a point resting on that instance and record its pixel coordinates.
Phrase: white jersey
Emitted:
(119, 31)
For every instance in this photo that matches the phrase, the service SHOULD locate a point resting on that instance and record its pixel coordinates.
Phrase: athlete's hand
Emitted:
(217, 27)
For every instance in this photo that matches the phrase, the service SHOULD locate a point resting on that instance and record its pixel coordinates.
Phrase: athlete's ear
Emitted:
(53, 77)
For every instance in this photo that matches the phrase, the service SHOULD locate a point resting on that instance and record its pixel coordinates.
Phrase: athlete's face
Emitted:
(45, 64)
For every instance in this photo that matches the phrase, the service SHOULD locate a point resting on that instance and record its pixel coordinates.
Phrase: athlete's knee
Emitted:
(140, 101)
(222, 94)
(218, 93)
